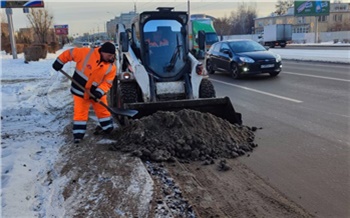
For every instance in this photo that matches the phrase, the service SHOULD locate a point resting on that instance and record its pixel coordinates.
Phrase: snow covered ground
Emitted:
(327, 55)
(34, 102)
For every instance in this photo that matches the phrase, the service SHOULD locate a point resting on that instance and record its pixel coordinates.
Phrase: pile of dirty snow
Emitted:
(186, 135)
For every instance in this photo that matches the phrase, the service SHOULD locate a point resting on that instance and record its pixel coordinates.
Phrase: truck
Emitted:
(165, 77)
(202, 24)
(276, 35)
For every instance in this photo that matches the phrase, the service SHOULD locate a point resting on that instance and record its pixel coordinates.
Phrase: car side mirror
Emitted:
(226, 51)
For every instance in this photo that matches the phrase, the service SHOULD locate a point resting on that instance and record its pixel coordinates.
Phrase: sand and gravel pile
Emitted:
(186, 135)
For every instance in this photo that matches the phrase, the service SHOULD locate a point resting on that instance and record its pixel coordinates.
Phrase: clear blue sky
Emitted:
(91, 16)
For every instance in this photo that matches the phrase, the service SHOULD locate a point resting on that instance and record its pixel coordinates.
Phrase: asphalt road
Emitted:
(304, 146)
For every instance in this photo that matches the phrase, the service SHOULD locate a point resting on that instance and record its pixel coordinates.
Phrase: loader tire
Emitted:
(112, 94)
(206, 89)
(127, 93)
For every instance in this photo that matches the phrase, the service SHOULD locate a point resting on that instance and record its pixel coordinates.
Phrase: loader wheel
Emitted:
(206, 89)
(127, 93)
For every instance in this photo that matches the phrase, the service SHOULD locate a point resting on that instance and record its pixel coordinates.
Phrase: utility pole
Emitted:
(11, 30)
(189, 29)
(316, 29)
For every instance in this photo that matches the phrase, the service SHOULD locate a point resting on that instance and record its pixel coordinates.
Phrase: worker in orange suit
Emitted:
(95, 71)
(157, 40)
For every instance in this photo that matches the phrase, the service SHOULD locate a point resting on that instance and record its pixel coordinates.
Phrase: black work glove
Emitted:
(57, 65)
(96, 93)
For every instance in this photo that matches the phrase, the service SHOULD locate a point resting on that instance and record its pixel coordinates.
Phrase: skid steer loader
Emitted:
(164, 76)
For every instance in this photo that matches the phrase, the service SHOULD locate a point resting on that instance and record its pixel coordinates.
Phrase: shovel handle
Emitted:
(123, 112)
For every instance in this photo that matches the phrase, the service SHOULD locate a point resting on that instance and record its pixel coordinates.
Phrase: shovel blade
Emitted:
(123, 112)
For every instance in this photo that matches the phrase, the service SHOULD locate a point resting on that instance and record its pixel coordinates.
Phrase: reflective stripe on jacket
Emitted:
(89, 71)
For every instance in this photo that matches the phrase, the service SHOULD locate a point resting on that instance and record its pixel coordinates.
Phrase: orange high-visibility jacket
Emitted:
(163, 42)
(89, 70)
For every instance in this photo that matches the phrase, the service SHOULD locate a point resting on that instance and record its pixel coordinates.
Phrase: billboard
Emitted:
(61, 29)
(21, 4)
(311, 8)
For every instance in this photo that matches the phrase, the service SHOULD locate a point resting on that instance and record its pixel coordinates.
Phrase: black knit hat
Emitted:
(108, 47)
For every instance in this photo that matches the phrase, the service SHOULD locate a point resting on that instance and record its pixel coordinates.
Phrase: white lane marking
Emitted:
(306, 64)
(261, 92)
(315, 76)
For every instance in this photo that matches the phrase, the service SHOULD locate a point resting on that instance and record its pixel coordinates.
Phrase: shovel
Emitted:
(114, 111)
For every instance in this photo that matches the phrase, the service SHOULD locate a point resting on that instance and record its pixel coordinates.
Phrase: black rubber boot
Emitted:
(109, 130)
(98, 130)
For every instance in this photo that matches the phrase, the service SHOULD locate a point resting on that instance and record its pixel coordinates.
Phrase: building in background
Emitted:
(337, 20)
(124, 18)
(111, 27)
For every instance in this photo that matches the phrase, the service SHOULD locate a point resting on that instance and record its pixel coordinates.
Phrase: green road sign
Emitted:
(311, 8)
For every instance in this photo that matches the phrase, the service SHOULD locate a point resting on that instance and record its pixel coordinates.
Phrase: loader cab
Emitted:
(159, 41)
(164, 47)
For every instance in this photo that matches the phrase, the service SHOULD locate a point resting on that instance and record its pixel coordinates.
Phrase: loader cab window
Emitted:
(164, 44)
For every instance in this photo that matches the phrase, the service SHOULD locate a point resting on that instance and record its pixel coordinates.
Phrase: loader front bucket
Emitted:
(220, 107)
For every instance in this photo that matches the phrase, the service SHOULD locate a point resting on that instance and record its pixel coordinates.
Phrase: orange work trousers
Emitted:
(82, 106)
(81, 115)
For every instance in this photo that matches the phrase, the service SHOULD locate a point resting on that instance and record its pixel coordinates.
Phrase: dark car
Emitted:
(242, 57)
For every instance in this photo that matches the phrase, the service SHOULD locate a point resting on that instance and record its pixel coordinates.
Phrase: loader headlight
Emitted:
(126, 76)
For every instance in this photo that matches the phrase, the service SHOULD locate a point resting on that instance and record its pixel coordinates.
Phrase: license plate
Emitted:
(267, 65)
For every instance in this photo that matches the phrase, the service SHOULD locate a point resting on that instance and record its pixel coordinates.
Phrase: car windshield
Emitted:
(245, 46)
(165, 46)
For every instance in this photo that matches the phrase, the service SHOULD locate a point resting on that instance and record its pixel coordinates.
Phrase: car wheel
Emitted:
(274, 74)
(210, 67)
(235, 74)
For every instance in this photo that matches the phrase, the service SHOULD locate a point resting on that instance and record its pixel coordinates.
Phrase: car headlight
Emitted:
(246, 60)
(278, 58)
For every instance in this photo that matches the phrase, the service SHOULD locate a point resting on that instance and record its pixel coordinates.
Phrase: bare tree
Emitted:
(41, 21)
(3, 17)
(339, 26)
(222, 26)
(242, 20)
(283, 5)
